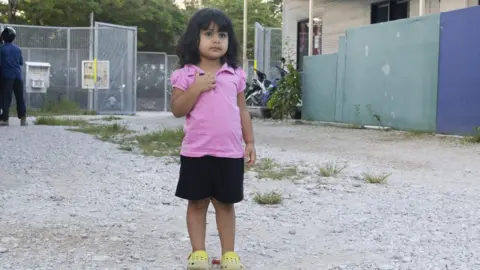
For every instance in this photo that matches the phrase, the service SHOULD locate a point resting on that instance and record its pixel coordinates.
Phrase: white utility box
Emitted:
(37, 77)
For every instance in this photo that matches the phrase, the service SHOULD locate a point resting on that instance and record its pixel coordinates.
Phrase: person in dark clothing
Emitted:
(11, 81)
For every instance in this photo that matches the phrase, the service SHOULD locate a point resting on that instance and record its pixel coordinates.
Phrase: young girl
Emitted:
(208, 90)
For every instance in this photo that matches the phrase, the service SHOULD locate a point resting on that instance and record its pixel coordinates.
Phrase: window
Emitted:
(389, 11)
(302, 39)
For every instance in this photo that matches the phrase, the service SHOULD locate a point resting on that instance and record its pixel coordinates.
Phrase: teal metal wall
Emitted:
(341, 61)
(383, 74)
(319, 101)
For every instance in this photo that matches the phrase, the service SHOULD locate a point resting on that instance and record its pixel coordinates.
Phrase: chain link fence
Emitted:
(64, 48)
(118, 45)
(153, 80)
(139, 81)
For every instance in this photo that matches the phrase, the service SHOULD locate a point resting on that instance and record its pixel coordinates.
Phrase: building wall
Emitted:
(338, 15)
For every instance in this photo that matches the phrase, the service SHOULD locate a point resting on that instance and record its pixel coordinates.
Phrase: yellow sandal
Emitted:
(231, 261)
(198, 260)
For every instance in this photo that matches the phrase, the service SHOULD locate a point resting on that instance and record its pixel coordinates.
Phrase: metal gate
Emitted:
(268, 50)
(117, 44)
(259, 52)
(151, 81)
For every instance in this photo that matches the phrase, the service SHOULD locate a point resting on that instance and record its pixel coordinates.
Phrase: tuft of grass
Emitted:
(111, 118)
(264, 164)
(166, 142)
(472, 139)
(354, 126)
(59, 121)
(376, 178)
(331, 170)
(475, 138)
(62, 107)
(104, 132)
(417, 134)
(267, 168)
(126, 147)
(269, 198)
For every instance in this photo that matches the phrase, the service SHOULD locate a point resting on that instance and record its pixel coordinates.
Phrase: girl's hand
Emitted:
(250, 154)
(205, 82)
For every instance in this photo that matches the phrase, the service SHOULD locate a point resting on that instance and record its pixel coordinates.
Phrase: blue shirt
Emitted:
(11, 61)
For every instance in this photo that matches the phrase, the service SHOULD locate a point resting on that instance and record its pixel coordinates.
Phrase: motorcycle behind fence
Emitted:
(261, 89)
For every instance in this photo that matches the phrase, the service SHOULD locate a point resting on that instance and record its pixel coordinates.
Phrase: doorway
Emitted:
(302, 40)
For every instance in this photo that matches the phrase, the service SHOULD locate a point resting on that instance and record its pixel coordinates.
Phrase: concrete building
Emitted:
(332, 17)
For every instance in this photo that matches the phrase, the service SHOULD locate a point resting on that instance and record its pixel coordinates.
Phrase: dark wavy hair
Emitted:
(187, 49)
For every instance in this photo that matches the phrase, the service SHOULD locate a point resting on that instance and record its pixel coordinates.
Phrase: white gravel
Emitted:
(69, 201)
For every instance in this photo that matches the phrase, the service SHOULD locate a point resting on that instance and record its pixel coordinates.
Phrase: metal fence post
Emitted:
(90, 56)
(134, 64)
(165, 82)
(95, 56)
(68, 64)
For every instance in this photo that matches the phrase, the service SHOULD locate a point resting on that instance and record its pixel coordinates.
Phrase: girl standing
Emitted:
(208, 90)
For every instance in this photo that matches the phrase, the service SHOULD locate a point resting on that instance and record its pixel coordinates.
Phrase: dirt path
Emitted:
(69, 201)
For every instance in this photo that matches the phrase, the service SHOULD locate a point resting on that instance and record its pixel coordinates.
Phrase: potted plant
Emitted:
(285, 102)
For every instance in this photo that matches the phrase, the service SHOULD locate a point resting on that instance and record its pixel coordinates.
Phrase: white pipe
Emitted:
(245, 28)
(421, 8)
(284, 29)
(310, 27)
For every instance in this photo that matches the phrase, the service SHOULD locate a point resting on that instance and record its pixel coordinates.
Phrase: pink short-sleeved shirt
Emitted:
(213, 127)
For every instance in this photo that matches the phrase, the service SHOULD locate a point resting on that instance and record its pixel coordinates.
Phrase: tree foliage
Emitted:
(258, 11)
(159, 22)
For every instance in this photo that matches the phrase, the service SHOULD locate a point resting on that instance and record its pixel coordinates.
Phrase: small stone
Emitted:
(299, 182)
(115, 239)
(292, 232)
(131, 228)
(3, 250)
(100, 258)
(6, 240)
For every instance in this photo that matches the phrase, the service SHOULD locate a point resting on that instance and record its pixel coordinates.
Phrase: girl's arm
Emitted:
(183, 101)
(247, 128)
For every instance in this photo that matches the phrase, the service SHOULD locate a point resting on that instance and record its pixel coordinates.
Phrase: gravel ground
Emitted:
(69, 201)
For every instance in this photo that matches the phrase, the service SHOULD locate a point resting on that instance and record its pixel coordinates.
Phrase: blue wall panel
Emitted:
(458, 110)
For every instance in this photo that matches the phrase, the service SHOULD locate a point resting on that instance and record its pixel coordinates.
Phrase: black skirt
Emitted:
(211, 177)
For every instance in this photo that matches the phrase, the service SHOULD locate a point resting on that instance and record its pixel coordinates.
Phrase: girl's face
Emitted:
(213, 44)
